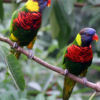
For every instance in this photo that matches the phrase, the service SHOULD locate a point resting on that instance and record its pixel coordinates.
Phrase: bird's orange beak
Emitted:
(49, 3)
(95, 37)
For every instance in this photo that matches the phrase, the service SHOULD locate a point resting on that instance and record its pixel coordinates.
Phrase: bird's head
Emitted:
(43, 4)
(86, 36)
(46, 2)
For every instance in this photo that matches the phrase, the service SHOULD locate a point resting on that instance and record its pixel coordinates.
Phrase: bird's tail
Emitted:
(68, 87)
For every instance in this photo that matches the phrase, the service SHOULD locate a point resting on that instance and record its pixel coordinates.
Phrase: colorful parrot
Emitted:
(25, 24)
(77, 58)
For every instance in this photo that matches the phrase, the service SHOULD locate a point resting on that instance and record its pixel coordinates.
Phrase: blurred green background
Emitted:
(60, 24)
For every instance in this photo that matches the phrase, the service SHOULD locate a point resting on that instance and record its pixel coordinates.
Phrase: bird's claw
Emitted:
(66, 71)
(31, 54)
(15, 45)
(84, 80)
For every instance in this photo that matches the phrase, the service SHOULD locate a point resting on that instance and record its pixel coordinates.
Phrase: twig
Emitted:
(79, 4)
(93, 95)
(83, 4)
(54, 68)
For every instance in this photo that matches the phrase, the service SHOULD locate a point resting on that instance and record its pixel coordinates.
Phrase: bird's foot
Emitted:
(84, 80)
(66, 71)
(15, 45)
(31, 54)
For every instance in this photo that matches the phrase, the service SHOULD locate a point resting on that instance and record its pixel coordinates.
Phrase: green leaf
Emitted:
(17, 1)
(86, 7)
(68, 18)
(1, 11)
(31, 98)
(80, 1)
(48, 82)
(46, 14)
(35, 85)
(65, 29)
(23, 99)
(95, 67)
(4, 97)
(40, 97)
(68, 6)
(14, 67)
(54, 25)
(94, 19)
(84, 90)
(23, 94)
(52, 48)
(53, 97)
(94, 2)
(61, 23)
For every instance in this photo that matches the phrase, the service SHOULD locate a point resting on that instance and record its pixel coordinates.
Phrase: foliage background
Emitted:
(60, 24)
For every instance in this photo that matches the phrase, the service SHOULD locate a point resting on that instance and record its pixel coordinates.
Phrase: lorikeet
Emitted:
(25, 24)
(77, 58)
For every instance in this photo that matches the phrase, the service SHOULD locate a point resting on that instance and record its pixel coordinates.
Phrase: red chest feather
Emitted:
(79, 54)
(28, 21)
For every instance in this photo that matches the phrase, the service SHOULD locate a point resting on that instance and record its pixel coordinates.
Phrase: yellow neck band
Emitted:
(78, 39)
(32, 6)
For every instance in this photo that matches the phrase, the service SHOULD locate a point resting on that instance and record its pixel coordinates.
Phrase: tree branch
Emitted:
(83, 4)
(54, 68)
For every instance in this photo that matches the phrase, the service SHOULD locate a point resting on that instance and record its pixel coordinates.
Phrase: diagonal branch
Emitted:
(54, 68)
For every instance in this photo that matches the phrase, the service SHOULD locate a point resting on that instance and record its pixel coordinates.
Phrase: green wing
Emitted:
(14, 16)
(64, 59)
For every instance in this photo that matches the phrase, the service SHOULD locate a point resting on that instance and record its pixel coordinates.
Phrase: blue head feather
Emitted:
(42, 4)
(86, 36)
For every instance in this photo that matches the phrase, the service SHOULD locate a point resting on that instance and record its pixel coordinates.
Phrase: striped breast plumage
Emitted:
(77, 59)
(28, 20)
(79, 54)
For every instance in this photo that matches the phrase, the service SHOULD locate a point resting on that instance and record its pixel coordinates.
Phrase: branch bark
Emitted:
(54, 68)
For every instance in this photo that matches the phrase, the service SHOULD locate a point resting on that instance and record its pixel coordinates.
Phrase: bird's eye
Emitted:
(87, 34)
